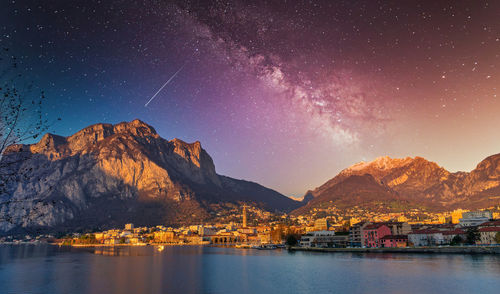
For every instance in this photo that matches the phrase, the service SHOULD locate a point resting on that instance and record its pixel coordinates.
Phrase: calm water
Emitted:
(49, 269)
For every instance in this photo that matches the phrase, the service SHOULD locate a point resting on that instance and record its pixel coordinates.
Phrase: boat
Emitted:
(243, 246)
(267, 247)
(160, 248)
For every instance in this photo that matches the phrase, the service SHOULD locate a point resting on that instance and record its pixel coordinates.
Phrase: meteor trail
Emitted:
(166, 83)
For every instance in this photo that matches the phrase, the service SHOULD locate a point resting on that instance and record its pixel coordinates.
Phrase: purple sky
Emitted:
(285, 93)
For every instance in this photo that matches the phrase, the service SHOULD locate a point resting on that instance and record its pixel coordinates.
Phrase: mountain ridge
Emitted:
(418, 182)
(111, 174)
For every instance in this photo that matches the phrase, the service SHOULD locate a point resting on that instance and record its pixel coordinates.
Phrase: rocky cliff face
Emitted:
(414, 181)
(112, 174)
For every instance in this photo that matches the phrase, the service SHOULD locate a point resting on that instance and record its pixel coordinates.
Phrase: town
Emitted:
(262, 230)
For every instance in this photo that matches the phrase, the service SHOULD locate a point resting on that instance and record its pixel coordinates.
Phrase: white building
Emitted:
(310, 238)
(434, 237)
(488, 235)
(426, 238)
(475, 218)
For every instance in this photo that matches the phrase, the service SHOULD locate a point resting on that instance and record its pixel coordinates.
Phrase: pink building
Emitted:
(394, 241)
(373, 233)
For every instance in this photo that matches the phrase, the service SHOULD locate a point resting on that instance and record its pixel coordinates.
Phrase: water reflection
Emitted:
(197, 269)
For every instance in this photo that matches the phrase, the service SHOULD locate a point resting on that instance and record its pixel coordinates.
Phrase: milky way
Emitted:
(285, 93)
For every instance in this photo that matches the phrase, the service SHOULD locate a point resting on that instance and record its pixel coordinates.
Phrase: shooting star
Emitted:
(166, 83)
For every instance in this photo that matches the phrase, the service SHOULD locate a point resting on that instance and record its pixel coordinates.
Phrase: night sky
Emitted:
(285, 93)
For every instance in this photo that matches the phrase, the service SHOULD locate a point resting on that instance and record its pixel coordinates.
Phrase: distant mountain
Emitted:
(108, 175)
(411, 182)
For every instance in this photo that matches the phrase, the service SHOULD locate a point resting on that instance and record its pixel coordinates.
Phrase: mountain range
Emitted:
(410, 183)
(107, 175)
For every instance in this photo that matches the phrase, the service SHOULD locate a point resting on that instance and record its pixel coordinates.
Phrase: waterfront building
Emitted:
(450, 234)
(193, 239)
(111, 241)
(226, 238)
(330, 241)
(308, 240)
(355, 234)
(426, 237)
(493, 223)
(164, 236)
(372, 234)
(488, 235)
(390, 241)
(264, 237)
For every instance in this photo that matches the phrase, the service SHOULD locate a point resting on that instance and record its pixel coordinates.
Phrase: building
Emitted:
(203, 231)
(434, 236)
(449, 235)
(426, 237)
(355, 234)
(493, 223)
(456, 215)
(332, 241)
(193, 239)
(394, 241)
(488, 235)
(315, 238)
(164, 236)
(372, 234)
(129, 227)
(399, 228)
(244, 216)
(321, 224)
(99, 236)
(264, 237)
(246, 230)
(479, 213)
(475, 218)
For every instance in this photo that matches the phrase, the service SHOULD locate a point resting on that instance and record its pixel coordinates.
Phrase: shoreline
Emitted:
(404, 250)
(126, 245)
(412, 250)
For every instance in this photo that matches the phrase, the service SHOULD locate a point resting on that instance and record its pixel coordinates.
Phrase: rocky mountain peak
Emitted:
(113, 174)
(190, 151)
(57, 146)
(135, 127)
(381, 163)
(416, 181)
(491, 163)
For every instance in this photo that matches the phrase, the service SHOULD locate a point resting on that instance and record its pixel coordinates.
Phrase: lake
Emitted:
(198, 269)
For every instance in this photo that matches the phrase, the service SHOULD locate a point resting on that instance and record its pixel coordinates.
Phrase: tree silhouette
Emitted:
(472, 235)
(457, 240)
(21, 119)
